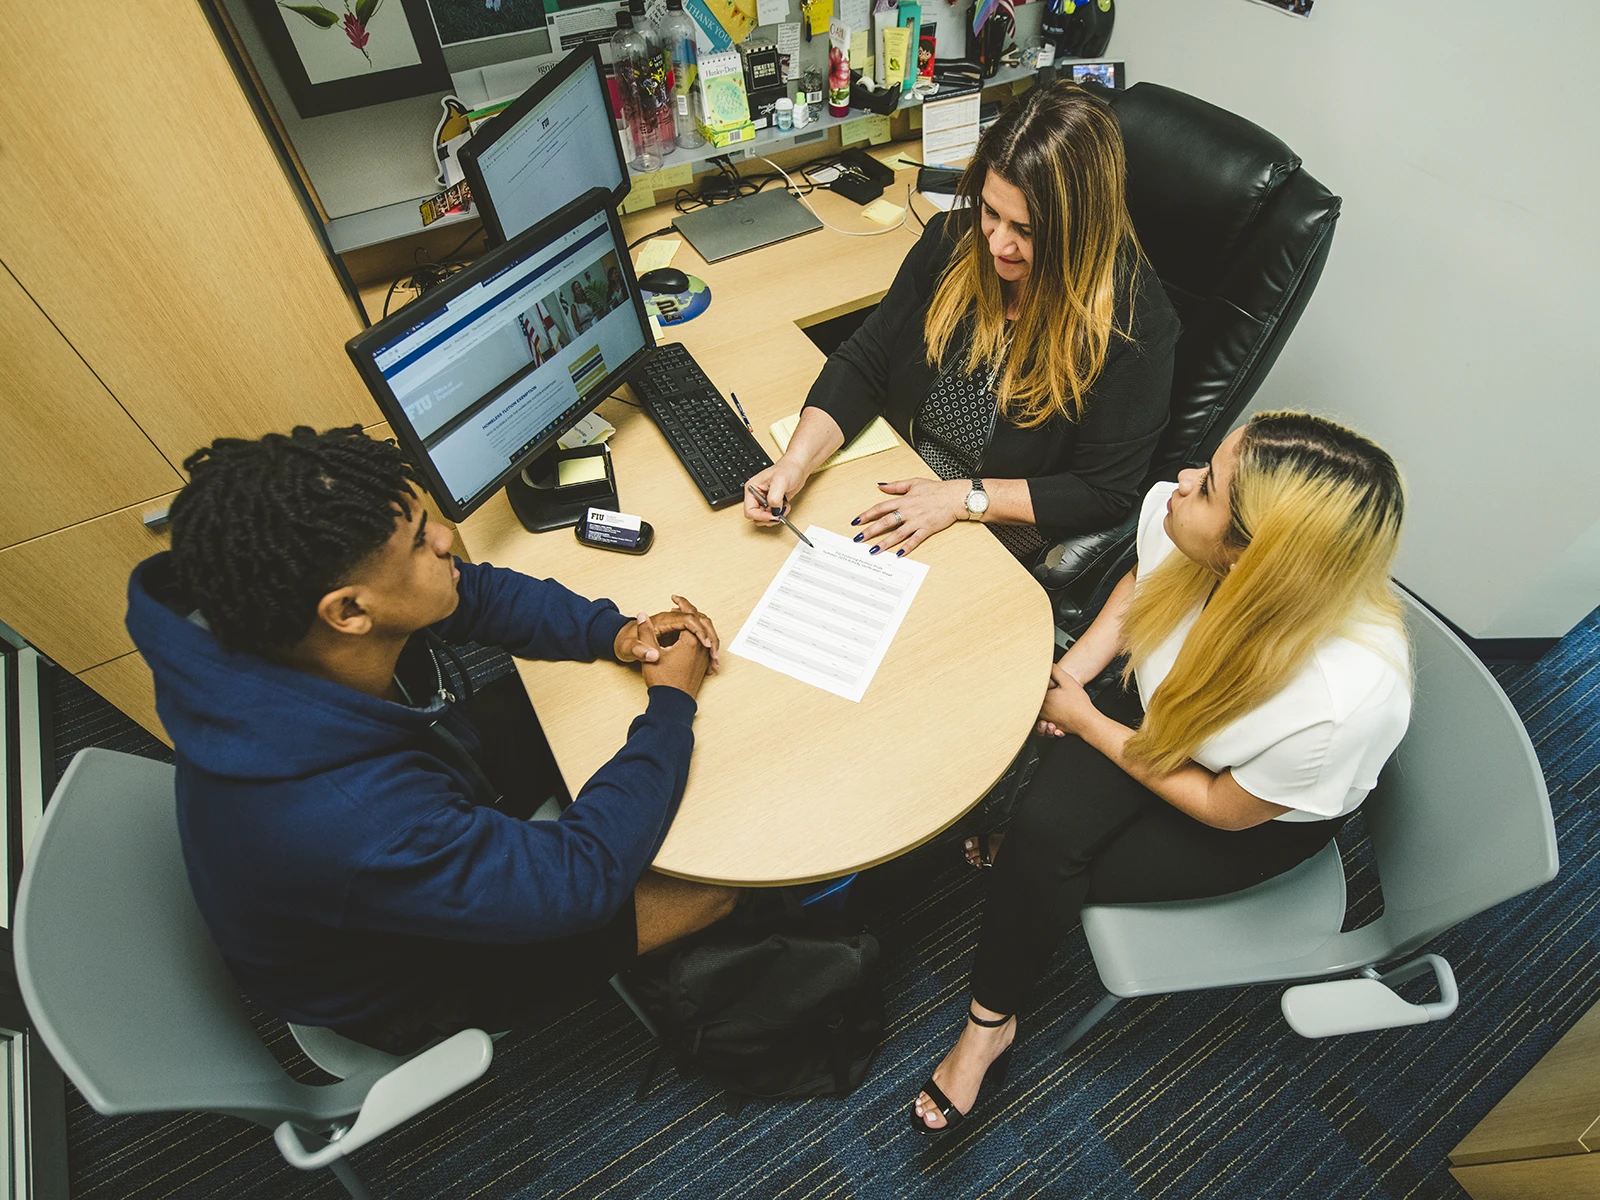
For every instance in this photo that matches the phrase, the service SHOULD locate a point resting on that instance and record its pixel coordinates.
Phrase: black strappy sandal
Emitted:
(994, 1077)
(985, 858)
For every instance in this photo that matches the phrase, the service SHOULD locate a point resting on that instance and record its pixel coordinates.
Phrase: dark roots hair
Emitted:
(265, 529)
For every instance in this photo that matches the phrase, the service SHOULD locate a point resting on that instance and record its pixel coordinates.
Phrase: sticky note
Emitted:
(1018, 86)
(916, 117)
(771, 12)
(873, 129)
(874, 438)
(580, 470)
(821, 14)
(881, 211)
(681, 175)
(642, 194)
(657, 254)
(901, 162)
(858, 51)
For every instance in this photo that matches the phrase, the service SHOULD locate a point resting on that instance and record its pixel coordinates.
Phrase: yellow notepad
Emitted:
(874, 438)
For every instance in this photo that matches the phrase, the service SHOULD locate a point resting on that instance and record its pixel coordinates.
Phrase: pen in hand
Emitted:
(757, 493)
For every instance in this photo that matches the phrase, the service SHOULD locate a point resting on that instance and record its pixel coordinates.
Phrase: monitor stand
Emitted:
(541, 503)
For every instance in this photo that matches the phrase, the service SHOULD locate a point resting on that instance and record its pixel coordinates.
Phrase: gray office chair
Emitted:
(126, 987)
(1459, 821)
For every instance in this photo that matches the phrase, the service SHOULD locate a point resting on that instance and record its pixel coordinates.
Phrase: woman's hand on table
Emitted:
(1067, 707)
(642, 639)
(779, 483)
(915, 511)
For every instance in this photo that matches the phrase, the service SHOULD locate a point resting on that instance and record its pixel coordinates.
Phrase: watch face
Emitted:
(977, 501)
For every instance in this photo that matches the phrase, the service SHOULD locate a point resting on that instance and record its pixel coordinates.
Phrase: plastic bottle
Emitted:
(660, 81)
(678, 31)
(634, 64)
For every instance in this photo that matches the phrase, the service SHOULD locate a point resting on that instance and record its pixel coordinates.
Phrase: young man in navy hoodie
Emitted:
(353, 841)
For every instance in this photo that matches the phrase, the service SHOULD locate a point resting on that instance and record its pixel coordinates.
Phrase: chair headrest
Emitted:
(1198, 176)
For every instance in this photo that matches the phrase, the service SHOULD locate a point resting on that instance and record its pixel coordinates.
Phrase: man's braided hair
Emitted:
(265, 529)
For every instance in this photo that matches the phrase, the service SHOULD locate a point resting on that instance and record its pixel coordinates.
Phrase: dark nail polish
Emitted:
(858, 537)
(875, 549)
(857, 521)
(899, 553)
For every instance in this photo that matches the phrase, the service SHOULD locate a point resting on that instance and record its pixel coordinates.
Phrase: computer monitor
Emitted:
(555, 143)
(481, 375)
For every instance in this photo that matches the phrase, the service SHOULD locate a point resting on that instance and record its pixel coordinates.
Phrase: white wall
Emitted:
(1457, 319)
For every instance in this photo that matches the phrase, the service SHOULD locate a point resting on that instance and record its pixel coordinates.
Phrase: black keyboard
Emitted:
(701, 427)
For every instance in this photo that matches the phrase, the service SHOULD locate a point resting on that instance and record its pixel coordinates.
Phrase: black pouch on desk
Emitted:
(853, 187)
(776, 1011)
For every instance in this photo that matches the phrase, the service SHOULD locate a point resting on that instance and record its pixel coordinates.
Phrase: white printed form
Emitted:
(828, 616)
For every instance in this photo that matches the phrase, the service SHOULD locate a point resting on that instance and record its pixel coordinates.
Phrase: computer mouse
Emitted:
(664, 279)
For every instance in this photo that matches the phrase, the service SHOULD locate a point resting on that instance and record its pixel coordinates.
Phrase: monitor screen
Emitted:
(550, 147)
(485, 372)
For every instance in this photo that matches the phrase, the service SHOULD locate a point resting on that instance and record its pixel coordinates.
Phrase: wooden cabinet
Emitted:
(161, 285)
(1542, 1142)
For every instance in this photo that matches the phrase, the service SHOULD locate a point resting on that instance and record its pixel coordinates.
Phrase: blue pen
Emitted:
(735, 398)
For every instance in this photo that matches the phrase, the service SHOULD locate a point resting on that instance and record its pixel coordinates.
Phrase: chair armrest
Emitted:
(1083, 554)
(411, 1088)
(1358, 1005)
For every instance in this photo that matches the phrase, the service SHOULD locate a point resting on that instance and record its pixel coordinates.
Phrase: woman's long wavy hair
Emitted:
(1062, 149)
(1316, 512)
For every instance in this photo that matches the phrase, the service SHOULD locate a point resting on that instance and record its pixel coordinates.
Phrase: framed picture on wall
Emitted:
(343, 54)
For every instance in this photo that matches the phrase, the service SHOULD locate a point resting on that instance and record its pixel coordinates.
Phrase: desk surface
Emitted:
(789, 783)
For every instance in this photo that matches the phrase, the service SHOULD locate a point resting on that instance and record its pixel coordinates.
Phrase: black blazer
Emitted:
(1082, 476)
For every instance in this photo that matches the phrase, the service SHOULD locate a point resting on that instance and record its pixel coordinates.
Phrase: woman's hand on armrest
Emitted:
(815, 439)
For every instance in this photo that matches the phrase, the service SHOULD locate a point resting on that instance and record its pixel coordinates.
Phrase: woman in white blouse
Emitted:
(1273, 682)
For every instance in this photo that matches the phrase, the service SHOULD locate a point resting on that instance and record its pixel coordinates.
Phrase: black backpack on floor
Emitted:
(780, 1012)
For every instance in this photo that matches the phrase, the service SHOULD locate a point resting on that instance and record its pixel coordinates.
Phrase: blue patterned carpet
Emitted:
(1205, 1094)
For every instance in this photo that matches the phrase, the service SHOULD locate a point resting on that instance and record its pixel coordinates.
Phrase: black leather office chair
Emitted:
(1238, 234)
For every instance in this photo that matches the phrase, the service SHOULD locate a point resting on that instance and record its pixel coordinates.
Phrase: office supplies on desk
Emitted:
(710, 441)
(606, 529)
(875, 437)
(743, 416)
(761, 497)
(828, 616)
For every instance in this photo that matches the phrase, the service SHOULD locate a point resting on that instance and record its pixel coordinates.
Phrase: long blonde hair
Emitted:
(1062, 149)
(1315, 513)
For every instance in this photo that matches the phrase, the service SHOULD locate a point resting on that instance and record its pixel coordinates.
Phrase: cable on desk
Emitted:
(656, 233)
(847, 232)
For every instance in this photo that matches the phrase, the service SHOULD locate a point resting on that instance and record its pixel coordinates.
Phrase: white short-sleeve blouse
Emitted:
(1317, 746)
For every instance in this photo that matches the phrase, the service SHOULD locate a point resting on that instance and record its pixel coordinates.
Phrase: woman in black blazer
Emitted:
(1024, 350)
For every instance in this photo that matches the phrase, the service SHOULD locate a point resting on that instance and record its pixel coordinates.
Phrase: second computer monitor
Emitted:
(481, 375)
(555, 143)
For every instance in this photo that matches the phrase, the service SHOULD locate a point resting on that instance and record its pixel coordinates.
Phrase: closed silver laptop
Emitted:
(747, 223)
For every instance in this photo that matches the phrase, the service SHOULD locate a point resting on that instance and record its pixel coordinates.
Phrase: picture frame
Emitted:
(336, 55)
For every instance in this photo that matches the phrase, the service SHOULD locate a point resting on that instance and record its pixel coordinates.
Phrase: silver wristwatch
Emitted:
(977, 501)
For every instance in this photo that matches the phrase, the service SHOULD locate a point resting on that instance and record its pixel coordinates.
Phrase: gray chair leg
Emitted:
(1087, 1022)
(627, 998)
(346, 1174)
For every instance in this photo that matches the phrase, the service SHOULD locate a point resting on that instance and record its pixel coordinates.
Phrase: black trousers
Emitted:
(1087, 832)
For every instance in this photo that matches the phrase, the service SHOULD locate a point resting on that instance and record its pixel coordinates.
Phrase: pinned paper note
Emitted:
(771, 12)
(883, 212)
(916, 117)
(821, 15)
(657, 254)
(873, 129)
(789, 49)
(858, 51)
(681, 175)
(875, 438)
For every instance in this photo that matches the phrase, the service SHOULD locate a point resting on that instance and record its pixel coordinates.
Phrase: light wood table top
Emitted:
(791, 784)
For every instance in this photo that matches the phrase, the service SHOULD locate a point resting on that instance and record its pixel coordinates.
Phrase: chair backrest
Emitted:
(118, 969)
(1460, 819)
(1238, 233)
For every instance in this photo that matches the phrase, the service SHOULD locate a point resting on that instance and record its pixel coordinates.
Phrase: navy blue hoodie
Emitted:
(337, 858)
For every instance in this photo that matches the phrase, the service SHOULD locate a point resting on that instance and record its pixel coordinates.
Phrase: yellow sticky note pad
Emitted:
(858, 51)
(681, 175)
(580, 470)
(873, 129)
(657, 254)
(901, 162)
(881, 211)
(874, 438)
(821, 14)
(641, 195)
(916, 117)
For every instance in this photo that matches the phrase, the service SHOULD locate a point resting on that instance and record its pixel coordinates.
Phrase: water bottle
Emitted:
(660, 81)
(634, 64)
(679, 33)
